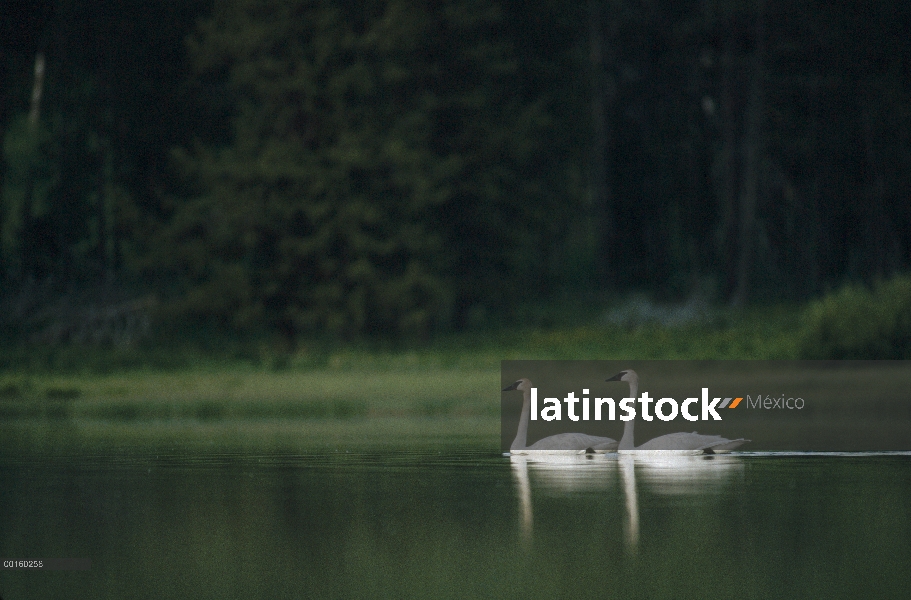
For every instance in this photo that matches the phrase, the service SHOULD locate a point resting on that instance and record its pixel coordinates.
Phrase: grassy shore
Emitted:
(453, 377)
(243, 396)
(240, 407)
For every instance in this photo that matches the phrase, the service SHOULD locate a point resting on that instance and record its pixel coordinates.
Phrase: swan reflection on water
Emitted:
(680, 475)
(671, 475)
(628, 472)
(663, 475)
(567, 473)
(559, 474)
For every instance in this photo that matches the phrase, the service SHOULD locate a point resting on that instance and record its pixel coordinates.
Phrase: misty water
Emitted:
(399, 522)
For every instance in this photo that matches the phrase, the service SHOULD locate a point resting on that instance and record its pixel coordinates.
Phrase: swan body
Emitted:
(672, 443)
(562, 443)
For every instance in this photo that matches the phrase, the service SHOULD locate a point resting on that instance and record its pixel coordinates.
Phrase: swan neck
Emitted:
(626, 442)
(522, 432)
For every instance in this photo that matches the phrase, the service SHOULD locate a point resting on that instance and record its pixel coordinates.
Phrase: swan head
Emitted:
(628, 375)
(520, 384)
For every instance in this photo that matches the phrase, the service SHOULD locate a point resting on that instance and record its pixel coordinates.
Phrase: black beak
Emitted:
(512, 387)
(617, 377)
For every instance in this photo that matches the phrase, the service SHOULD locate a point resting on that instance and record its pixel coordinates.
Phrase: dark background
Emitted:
(397, 169)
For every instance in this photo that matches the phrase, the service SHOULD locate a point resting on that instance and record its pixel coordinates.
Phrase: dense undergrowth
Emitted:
(756, 334)
(859, 323)
(851, 323)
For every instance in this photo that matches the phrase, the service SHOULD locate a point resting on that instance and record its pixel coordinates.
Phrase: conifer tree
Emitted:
(374, 179)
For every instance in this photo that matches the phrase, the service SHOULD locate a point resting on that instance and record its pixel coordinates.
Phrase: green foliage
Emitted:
(860, 323)
(82, 175)
(63, 214)
(770, 333)
(29, 179)
(374, 182)
(394, 169)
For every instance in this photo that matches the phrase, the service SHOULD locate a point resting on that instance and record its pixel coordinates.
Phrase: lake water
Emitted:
(460, 523)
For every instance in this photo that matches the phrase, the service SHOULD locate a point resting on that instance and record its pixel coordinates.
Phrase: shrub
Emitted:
(860, 323)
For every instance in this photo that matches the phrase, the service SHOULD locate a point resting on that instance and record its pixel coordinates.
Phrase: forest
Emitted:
(399, 169)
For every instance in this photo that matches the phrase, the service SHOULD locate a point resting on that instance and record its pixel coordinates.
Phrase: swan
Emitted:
(677, 443)
(577, 442)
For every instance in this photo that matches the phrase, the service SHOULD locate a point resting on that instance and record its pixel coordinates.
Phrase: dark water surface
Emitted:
(460, 523)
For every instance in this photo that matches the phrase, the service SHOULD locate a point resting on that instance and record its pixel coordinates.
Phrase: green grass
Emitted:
(358, 396)
(243, 392)
(209, 391)
(244, 408)
(322, 396)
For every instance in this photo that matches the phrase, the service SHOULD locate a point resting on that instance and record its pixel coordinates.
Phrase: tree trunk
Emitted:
(601, 98)
(752, 153)
(37, 90)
